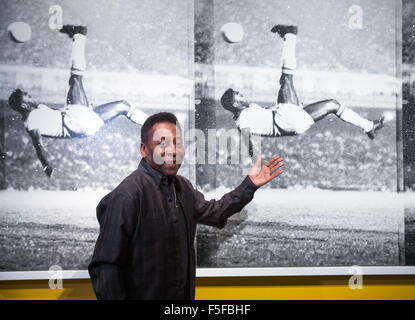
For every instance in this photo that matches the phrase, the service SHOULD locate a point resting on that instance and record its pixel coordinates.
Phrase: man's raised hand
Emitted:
(262, 174)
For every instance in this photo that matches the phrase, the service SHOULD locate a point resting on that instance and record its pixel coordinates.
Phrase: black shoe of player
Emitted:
(377, 125)
(71, 30)
(282, 30)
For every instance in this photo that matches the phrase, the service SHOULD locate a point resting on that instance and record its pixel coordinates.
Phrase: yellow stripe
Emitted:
(249, 288)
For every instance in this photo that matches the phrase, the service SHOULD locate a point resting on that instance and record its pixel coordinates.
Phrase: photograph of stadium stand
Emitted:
(337, 203)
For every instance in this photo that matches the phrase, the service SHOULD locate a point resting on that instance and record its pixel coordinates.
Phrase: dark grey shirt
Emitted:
(169, 190)
(141, 249)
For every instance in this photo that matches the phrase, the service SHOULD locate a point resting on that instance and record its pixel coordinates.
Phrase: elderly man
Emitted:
(145, 249)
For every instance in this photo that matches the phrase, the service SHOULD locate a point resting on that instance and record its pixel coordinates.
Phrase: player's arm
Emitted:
(40, 151)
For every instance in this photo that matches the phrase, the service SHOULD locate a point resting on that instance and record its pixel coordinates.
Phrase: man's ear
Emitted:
(143, 150)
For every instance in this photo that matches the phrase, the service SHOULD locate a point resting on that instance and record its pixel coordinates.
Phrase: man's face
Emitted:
(164, 149)
(240, 101)
(27, 101)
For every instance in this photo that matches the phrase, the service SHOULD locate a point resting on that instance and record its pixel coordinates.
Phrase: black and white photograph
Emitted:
(327, 85)
(103, 66)
(319, 83)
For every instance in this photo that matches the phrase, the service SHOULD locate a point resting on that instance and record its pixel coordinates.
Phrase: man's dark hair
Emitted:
(16, 99)
(157, 118)
(228, 99)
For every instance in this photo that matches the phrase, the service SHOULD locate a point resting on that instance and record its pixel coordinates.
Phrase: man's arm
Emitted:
(115, 214)
(40, 151)
(216, 212)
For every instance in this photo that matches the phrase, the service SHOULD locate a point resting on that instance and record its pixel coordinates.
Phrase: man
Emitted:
(77, 118)
(145, 249)
(289, 117)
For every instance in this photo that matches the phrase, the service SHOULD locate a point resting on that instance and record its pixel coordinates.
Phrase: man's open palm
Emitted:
(262, 174)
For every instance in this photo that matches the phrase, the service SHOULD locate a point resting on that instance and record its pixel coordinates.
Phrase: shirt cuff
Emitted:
(248, 185)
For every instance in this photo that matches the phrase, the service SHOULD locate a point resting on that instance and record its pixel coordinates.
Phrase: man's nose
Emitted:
(171, 149)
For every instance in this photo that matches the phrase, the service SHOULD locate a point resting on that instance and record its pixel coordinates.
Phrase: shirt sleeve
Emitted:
(115, 214)
(216, 212)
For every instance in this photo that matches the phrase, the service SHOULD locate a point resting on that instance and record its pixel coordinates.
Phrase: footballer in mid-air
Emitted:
(77, 118)
(290, 117)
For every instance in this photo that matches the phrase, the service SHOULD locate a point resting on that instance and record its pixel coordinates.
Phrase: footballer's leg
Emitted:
(76, 93)
(321, 109)
(287, 93)
(111, 110)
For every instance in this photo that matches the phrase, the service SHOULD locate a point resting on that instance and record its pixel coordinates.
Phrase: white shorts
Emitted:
(292, 118)
(82, 120)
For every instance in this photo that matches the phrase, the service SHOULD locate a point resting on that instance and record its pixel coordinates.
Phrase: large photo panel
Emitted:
(338, 201)
(133, 57)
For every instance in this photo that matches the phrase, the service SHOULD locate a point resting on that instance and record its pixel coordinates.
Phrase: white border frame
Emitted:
(232, 272)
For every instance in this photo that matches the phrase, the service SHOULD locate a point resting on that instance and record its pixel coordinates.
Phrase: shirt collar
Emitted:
(157, 176)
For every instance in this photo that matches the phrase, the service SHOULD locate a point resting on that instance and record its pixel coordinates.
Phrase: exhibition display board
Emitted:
(345, 203)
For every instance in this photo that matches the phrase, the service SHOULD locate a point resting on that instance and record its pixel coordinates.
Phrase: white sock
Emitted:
(348, 115)
(78, 54)
(289, 62)
(136, 115)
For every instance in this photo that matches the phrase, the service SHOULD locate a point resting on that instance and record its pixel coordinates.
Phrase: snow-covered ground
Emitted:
(382, 211)
(50, 207)
(279, 227)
